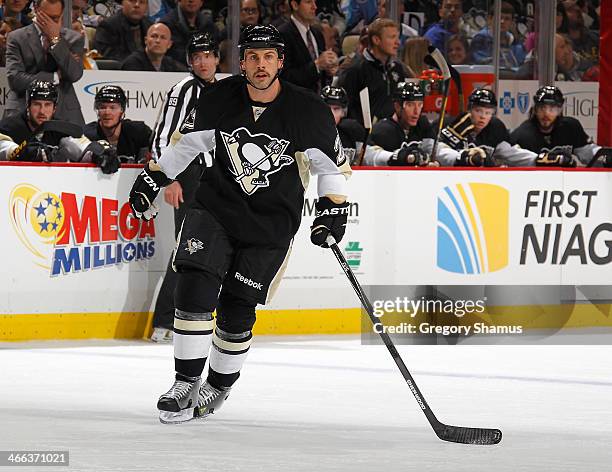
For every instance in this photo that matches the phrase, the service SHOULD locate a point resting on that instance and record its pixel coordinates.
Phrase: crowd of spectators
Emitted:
(349, 43)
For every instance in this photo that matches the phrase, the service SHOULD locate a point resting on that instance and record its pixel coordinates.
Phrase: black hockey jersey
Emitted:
(460, 134)
(389, 134)
(263, 155)
(133, 141)
(17, 128)
(567, 131)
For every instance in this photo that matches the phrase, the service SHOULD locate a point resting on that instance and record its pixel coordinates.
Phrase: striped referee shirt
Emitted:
(180, 100)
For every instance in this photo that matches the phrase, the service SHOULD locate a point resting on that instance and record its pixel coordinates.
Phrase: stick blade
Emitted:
(463, 435)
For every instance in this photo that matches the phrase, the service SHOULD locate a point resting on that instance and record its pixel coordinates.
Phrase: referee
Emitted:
(202, 59)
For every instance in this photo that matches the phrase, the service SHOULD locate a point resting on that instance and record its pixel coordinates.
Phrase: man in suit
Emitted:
(120, 35)
(45, 51)
(307, 63)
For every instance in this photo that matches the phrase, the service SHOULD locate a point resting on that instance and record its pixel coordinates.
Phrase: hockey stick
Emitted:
(456, 76)
(436, 57)
(364, 97)
(458, 434)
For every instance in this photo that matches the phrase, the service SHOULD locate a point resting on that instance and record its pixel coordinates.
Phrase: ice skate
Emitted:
(178, 403)
(210, 400)
(162, 335)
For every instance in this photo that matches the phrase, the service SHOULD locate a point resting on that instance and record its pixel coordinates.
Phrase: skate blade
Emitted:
(171, 417)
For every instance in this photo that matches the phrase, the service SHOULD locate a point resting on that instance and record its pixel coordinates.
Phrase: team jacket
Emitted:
(566, 132)
(133, 140)
(460, 135)
(388, 135)
(264, 154)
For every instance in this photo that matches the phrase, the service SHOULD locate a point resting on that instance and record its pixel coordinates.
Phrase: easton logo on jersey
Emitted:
(254, 157)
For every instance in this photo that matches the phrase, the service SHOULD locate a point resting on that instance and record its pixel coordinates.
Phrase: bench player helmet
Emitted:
(41, 90)
(408, 92)
(548, 95)
(482, 98)
(334, 96)
(110, 94)
(260, 37)
(201, 42)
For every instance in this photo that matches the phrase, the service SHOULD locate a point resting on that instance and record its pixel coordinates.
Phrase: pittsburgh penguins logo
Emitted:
(254, 157)
(341, 155)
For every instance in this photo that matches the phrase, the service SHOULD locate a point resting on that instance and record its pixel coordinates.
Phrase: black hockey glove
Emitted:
(472, 157)
(605, 155)
(331, 218)
(559, 157)
(104, 155)
(408, 156)
(147, 186)
(34, 151)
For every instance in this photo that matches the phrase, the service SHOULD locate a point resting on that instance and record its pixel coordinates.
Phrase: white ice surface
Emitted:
(304, 404)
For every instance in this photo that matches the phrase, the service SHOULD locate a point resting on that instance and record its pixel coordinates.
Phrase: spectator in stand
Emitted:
(154, 57)
(331, 37)
(561, 21)
(413, 56)
(185, 20)
(307, 62)
(450, 13)
(457, 50)
(44, 50)
(16, 9)
(512, 52)
(7, 25)
(584, 41)
(131, 138)
(281, 13)
(123, 33)
(250, 12)
(569, 65)
(378, 70)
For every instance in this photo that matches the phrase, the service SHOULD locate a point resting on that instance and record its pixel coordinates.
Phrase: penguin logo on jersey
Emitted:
(254, 157)
(189, 122)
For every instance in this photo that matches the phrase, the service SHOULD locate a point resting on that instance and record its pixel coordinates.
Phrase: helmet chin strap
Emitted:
(261, 88)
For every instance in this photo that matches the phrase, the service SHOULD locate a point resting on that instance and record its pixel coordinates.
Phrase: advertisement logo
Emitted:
(353, 253)
(523, 102)
(506, 102)
(472, 228)
(71, 233)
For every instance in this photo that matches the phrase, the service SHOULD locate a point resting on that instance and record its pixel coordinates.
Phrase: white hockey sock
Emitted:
(192, 340)
(227, 355)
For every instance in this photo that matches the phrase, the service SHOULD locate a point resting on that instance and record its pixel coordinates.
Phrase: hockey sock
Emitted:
(227, 355)
(192, 340)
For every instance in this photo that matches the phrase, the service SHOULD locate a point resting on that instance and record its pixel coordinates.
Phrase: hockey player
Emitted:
(351, 132)
(131, 138)
(478, 138)
(556, 140)
(405, 139)
(202, 60)
(267, 135)
(35, 137)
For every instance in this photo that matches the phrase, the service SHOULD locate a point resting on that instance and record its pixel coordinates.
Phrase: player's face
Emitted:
(338, 112)
(204, 65)
(411, 112)
(41, 111)
(481, 117)
(109, 114)
(261, 66)
(546, 115)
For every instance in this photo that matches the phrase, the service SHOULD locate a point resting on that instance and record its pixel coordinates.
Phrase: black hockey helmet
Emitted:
(110, 94)
(334, 96)
(548, 95)
(201, 42)
(260, 37)
(482, 98)
(41, 90)
(408, 92)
